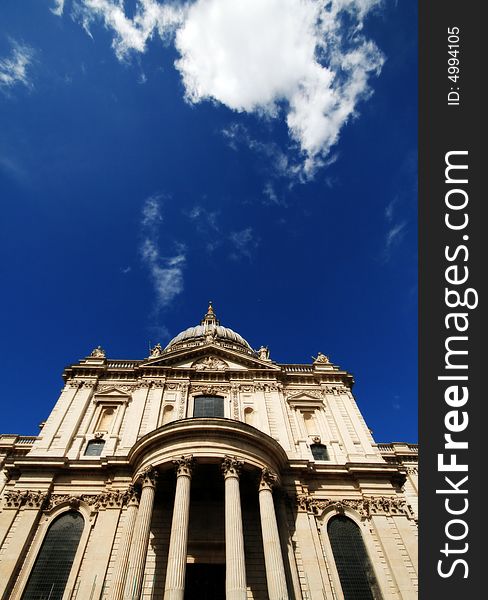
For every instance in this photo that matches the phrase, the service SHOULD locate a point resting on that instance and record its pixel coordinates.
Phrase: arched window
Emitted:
(208, 406)
(53, 563)
(94, 447)
(319, 451)
(353, 565)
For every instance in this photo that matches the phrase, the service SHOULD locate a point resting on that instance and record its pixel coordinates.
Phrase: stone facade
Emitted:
(170, 500)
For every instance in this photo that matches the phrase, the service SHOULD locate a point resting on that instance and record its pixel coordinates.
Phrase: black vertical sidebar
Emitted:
(452, 233)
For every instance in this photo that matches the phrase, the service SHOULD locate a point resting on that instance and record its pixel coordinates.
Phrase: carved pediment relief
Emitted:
(210, 363)
(210, 358)
(108, 391)
(310, 397)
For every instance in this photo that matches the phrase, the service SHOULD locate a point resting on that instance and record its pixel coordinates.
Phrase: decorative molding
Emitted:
(209, 389)
(30, 499)
(104, 387)
(366, 507)
(235, 400)
(104, 500)
(183, 389)
(143, 384)
(231, 466)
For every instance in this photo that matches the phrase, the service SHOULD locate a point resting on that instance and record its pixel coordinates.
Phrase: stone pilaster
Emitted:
(275, 570)
(140, 537)
(122, 561)
(174, 588)
(235, 565)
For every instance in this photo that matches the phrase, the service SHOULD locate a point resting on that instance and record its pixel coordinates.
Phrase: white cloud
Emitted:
(166, 272)
(274, 56)
(13, 70)
(304, 61)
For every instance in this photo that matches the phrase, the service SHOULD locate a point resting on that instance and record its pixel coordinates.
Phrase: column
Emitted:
(140, 537)
(120, 569)
(235, 564)
(174, 588)
(275, 570)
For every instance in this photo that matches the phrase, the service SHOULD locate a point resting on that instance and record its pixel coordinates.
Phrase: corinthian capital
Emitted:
(149, 476)
(231, 466)
(268, 479)
(184, 465)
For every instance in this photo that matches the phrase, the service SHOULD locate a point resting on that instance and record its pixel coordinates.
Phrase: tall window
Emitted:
(53, 563)
(208, 406)
(355, 571)
(319, 451)
(94, 447)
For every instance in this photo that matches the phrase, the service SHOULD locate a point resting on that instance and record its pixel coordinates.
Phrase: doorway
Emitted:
(205, 582)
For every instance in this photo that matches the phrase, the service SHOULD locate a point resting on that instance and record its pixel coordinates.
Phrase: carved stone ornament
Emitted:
(156, 351)
(184, 465)
(210, 363)
(296, 394)
(366, 507)
(30, 499)
(231, 466)
(110, 386)
(268, 479)
(108, 499)
(97, 352)
(263, 353)
(209, 389)
(321, 358)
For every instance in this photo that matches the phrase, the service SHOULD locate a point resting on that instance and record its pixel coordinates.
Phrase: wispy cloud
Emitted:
(14, 68)
(309, 63)
(131, 34)
(244, 243)
(166, 272)
(58, 7)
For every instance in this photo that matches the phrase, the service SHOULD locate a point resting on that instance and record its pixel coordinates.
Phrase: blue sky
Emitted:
(259, 154)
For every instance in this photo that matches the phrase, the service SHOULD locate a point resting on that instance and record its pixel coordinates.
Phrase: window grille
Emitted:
(94, 447)
(319, 451)
(54, 561)
(208, 406)
(353, 565)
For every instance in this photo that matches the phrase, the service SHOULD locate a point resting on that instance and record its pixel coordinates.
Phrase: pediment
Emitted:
(111, 392)
(310, 397)
(210, 357)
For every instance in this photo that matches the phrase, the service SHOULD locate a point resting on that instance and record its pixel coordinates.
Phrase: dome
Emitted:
(209, 330)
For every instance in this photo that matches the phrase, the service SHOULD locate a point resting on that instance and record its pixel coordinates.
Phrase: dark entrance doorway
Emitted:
(204, 582)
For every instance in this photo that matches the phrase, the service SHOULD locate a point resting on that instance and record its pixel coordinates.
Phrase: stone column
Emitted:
(140, 537)
(235, 564)
(174, 588)
(275, 570)
(120, 568)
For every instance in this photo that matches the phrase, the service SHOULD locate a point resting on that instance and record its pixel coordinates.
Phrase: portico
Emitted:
(251, 452)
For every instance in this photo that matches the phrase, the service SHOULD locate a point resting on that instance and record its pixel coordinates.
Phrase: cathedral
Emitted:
(206, 471)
